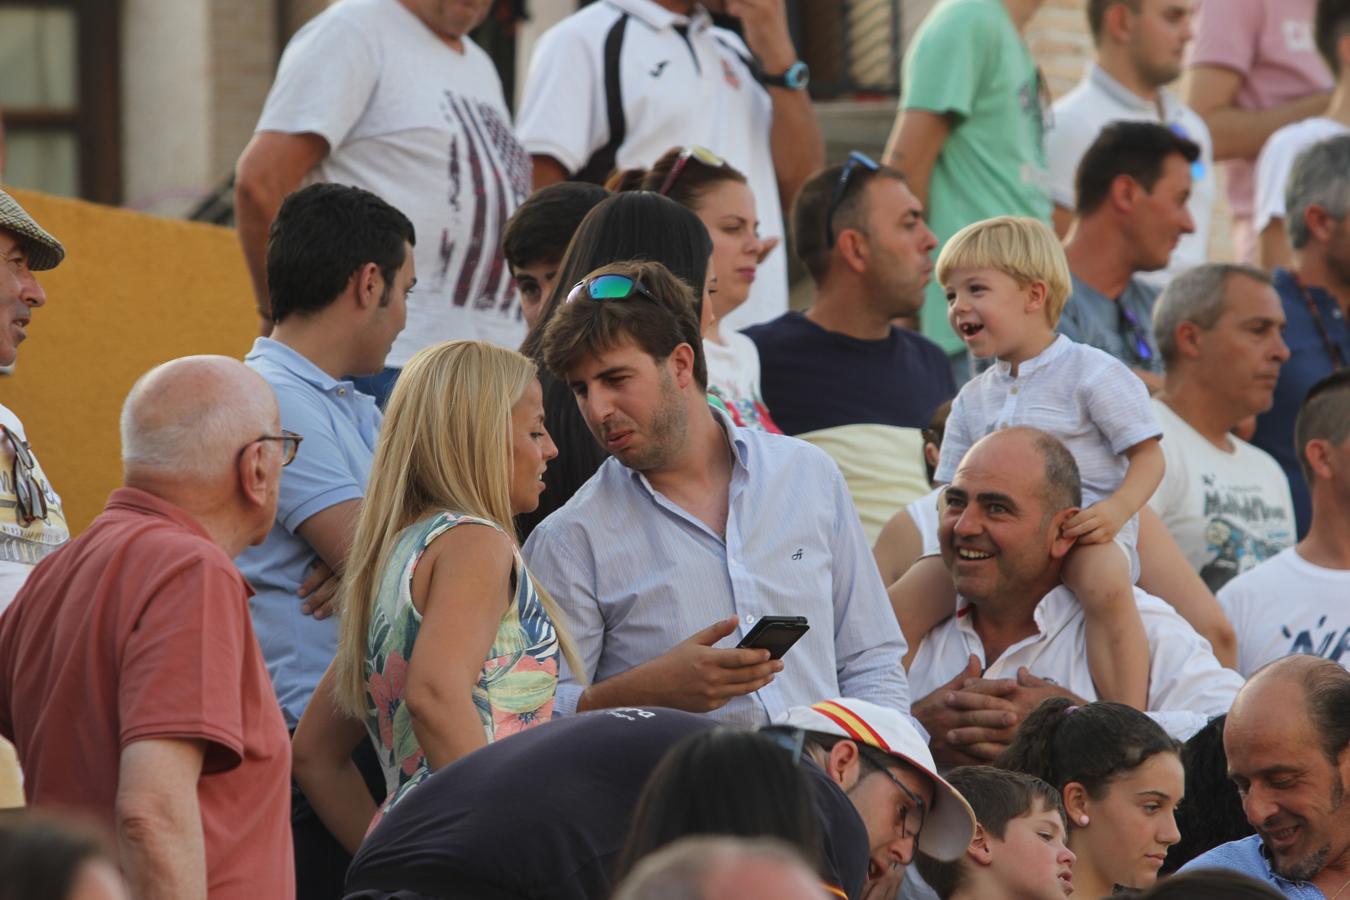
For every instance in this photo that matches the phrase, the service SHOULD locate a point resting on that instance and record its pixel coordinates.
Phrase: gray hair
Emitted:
(681, 870)
(1199, 296)
(187, 419)
(1321, 176)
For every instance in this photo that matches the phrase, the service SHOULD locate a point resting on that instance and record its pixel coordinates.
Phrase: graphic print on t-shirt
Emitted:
(482, 169)
(1241, 531)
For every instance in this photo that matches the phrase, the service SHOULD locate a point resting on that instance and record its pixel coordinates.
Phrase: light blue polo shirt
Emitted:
(339, 425)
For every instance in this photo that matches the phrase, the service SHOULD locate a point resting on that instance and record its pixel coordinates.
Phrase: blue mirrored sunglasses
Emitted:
(1197, 167)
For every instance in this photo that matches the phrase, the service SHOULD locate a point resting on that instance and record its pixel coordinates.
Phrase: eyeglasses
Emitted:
(793, 740)
(609, 287)
(911, 818)
(855, 162)
(290, 444)
(1143, 351)
(702, 154)
(29, 496)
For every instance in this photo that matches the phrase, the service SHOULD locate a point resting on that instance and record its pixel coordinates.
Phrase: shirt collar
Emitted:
(296, 363)
(1118, 92)
(657, 17)
(1288, 283)
(1048, 355)
(145, 503)
(1051, 613)
(740, 449)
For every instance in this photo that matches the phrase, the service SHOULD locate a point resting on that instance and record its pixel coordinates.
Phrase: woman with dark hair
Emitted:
(42, 857)
(720, 196)
(1212, 811)
(1121, 778)
(631, 226)
(724, 781)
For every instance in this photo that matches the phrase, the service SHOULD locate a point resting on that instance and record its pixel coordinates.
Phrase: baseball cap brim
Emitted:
(43, 250)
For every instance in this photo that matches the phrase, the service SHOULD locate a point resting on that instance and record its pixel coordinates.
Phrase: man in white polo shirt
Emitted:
(622, 81)
(1017, 635)
(1295, 602)
(1140, 46)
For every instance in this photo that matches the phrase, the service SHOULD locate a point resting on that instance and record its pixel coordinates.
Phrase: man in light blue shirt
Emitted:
(339, 268)
(697, 529)
(1287, 738)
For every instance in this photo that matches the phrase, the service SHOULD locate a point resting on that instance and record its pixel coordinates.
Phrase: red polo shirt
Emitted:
(137, 629)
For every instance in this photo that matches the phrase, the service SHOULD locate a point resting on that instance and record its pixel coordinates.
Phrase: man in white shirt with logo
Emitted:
(1219, 331)
(1017, 635)
(1295, 602)
(1140, 47)
(392, 96)
(622, 81)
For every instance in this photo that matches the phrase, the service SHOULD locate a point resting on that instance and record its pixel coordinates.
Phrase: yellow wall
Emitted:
(134, 291)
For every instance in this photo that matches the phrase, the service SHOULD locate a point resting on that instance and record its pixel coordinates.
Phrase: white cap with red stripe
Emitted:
(950, 825)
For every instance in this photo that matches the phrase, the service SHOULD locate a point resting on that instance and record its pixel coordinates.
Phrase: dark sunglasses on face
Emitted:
(702, 154)
(855, 161)
(29, 496)
(609, 287)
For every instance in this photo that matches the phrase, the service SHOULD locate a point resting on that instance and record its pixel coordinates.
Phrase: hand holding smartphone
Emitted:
(775, 634)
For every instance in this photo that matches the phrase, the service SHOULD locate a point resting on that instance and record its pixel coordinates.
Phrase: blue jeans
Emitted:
(378, 385)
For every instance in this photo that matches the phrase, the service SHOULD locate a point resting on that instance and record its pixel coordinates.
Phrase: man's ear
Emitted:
(1321, 225)
(1318, 454)
(681, 361)
(369, 286)
(1188, 337)
(979, 852)
(253, 473)
(1060, 544)
(852, 246)
(842, 764)
(1124, 193)
(1076, 804)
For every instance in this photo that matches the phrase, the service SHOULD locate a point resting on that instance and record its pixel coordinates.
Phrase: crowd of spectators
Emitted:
(536, 549)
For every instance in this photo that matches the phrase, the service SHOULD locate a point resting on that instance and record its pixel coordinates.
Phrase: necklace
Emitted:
(1333, 351)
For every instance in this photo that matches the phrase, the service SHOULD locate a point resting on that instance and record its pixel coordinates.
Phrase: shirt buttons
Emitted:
(342, 392)
(1012, 390)
(749, 620)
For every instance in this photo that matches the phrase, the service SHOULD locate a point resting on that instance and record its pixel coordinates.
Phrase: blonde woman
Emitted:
(446, 641)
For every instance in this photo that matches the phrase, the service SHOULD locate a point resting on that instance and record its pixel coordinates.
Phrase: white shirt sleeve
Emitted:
(562, 109)
(1119, 405)
(1272, 174)
(1187, 685)
(957, 438)
(313, 95)
(1064, 149)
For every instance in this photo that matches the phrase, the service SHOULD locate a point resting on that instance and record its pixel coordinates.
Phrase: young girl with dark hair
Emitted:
(1121, 778)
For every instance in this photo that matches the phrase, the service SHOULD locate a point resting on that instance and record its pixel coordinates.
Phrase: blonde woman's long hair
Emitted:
(445, 444)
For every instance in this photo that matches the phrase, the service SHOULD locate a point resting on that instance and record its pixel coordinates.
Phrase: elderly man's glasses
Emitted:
(702, 154)
(911, 817)
(855, 162)
(609, 287)
(290, 444)
(29, 497)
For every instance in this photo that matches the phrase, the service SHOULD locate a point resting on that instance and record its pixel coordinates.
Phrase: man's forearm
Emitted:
(163, 852)
(1240, 133)
(255, 208)
(796, 141)
(625, 689)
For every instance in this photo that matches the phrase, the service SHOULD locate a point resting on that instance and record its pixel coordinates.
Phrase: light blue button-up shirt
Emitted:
(339, 425)
(635, 574)
(1248, 857)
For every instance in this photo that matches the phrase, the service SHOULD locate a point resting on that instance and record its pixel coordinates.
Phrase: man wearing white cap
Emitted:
(909, 805)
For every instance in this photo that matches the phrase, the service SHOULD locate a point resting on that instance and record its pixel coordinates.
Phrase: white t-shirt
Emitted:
(1227, 511)
(24, 546)
(1277, 161)
(1285, 606)
(1097, 100)
(733, 379)
(924, 514)
(676, 91)
(427, 129)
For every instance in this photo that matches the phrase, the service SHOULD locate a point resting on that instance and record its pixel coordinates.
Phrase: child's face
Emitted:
(1031, 862)
(993, 314)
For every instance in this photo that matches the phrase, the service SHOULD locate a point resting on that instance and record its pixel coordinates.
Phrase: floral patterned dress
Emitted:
(515, 687)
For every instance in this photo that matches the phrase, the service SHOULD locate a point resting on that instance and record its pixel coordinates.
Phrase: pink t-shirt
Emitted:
(1270, 44)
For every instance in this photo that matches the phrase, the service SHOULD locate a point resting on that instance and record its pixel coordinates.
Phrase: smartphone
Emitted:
(775, 634)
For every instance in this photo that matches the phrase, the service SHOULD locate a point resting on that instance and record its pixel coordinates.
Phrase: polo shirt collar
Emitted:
(1046, 356)
(657, 17)
(145, 503)
(297, 364)
(1127, 98)
(1049, 615)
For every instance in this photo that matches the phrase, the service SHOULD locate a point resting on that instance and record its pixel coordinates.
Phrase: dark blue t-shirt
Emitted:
(1309, 362)
(812, 378)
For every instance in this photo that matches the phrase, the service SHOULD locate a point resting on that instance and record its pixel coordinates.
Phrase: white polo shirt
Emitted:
(682, 81)
(1277, 159)
(1186, 685)
(1097, 100)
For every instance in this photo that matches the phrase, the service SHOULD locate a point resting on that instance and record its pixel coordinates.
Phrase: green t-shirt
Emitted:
(968, 61)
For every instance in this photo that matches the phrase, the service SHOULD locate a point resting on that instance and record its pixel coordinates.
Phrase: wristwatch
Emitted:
(796, 78)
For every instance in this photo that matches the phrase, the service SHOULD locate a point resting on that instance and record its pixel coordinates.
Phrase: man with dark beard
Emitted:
(1286, 739)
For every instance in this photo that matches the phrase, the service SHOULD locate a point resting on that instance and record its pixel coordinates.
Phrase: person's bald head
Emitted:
(722, 867)
(1060, 485)
(1302, 684)
(188, 419)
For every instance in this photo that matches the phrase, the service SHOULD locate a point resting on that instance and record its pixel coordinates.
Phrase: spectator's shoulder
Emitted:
(588, 25)
(786, 327)
(573, 520)
(917, 343)
(967, 19)
(779, 451)
(1241, 855)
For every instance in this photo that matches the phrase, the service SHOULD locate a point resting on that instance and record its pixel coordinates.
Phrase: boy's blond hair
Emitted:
(1022, 248)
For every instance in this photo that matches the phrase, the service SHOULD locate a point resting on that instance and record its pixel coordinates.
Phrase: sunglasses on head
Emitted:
(1197, 167)
(1142, 351)
(855, 162)
(702, 154)
(609, 287)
